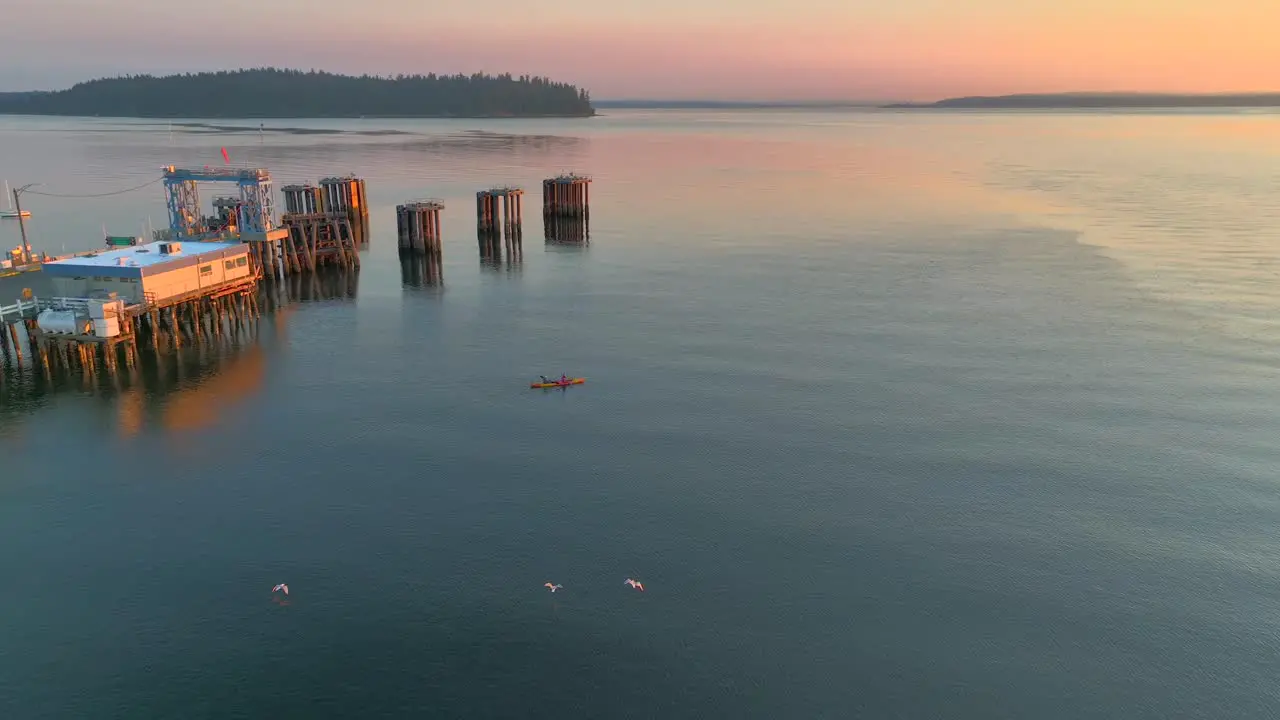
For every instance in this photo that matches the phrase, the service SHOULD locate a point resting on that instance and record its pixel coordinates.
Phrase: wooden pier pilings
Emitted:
(319, 240)
(566, 196)
(302, 199)
(266, 256)
(500, 222)
(566, 209)
(206, 315)
(327, 225)
(499, 209)
(346, 195)
(418, 227)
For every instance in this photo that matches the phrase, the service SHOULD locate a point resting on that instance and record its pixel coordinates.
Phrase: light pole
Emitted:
(22, 225)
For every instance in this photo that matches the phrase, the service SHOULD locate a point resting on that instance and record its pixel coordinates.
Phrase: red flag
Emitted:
(225, 157)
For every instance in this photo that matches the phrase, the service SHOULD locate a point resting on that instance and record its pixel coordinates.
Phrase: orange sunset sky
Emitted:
(675, 49)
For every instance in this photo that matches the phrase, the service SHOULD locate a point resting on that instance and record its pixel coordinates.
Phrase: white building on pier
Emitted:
(156, 273)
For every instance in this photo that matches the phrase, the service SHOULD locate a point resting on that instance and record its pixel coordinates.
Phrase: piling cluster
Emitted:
(418, 227)
(566, 195)
(345, 194)
(566, 209)
(499, 223)
(327, 224)
(566, 205)
(302, 199)
(499, 208)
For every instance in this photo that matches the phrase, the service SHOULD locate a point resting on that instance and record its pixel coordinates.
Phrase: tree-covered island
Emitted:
(276, 93)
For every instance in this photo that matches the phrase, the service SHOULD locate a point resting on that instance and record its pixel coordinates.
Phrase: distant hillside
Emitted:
(727, 104)
(1061, 101)
(274, 93)
(19, 96)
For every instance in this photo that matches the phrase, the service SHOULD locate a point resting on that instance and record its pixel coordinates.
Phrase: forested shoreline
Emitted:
(277, 93)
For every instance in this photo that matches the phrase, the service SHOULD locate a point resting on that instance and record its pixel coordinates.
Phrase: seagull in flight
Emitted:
(634, 583)
(280, 587)
(553, 588)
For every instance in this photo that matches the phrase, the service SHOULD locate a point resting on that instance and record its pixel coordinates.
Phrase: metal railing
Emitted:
(33, 307)
(80, 305)
(19, 310)
(214, 173)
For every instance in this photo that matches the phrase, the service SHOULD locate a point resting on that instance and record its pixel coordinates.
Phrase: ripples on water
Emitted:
(896, 415)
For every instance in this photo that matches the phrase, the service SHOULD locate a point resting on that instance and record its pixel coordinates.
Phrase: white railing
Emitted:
(17, 311)
(80, 305)
(30, 308)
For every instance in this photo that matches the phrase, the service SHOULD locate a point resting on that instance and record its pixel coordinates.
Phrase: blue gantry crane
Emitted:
(255, 212)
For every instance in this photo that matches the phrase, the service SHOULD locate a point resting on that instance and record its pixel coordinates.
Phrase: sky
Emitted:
(673, 49)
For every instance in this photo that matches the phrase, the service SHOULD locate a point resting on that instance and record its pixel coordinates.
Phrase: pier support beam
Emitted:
(317, 240)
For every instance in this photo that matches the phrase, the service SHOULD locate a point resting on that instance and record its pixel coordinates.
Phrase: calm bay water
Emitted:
(895, 415)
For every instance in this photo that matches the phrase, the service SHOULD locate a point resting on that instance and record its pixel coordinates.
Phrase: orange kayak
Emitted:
(556, 384)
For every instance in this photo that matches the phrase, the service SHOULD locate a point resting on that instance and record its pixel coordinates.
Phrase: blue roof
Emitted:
(141, 258)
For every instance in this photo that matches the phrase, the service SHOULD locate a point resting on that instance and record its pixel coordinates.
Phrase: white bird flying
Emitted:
(553, 587)
(634, 583)
(280, 587)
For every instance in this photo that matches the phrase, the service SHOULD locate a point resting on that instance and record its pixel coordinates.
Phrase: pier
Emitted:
(199, 280)
(247, 217)
(206, 374)
(109, 307)
(323, 224)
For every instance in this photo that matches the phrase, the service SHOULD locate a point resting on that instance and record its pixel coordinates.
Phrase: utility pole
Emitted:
(22, 223)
